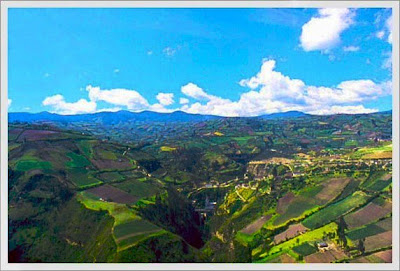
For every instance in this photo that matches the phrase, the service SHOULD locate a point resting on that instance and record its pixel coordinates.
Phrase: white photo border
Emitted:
(5, 5)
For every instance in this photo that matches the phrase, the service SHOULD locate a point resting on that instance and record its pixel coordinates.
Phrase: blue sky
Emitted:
(231, 62)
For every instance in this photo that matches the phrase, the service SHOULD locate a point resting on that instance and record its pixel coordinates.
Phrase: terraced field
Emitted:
(82, 178)
(310, 236)
(377, 181)
(371, 212)
(309, 199)
(138, 188)
(256, 225)
(304, 190)
(129, 228)
(333, 211)
(370, 229)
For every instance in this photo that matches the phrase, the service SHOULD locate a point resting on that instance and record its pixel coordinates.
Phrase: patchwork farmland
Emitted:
(217, 190)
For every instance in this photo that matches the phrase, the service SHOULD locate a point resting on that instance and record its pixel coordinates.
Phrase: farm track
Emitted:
(240, 196)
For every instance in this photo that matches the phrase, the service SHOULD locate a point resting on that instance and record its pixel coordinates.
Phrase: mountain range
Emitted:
(145, 116)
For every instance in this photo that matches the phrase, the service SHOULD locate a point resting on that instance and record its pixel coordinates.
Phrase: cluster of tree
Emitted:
(340, 232)
(177, 215)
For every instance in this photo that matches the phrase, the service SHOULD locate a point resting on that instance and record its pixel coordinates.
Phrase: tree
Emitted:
(342, 226)
(361, 246)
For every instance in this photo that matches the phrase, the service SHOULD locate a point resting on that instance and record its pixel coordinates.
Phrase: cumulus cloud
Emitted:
(274, 85)
(351, 48)
(323, 31)
(193, 91)
(271, 91)
(159, 108)
(118, 97)
(337, 109)
(183, 101)
(60, 106)
(9, 101)
(165, 98)
(268, 91)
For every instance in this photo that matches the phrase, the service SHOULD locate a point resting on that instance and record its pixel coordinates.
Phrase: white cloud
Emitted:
(165, 98)
(387, 61)
(274, 85)
(380, 34)
(111, 109)
(46, 75)
(169, 51)
(9, 102)
(323, 31)
(271, 91)
(60, 106)
(389, 26)
(149, 53)
(387, 29)
(159, 108)
(346, 92)
(183, 101)
(195, 92)
(351, 48)
(119, 97)
(357, 109)
(116, 70)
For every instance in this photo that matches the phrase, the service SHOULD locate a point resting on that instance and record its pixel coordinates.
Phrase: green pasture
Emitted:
(138, 188)
(82, 178)
(310, 236)
(335, 210)
(76, 161)
(26, 165)
(305, 249)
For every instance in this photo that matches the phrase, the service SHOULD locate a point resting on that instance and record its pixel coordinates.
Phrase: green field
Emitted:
(305, 249)
(364, 231)
(375, 181)
(105, 154)
(128, 227)
(167, 149)
(134, 226)
(26, 165)
(335, 210)
(138, 188)
(86, 147)
(108, 177)
(311, 236)
(383, 151)
(120, 212)
(82, 178)
(135, 239)
(303, 202)
(76, 161)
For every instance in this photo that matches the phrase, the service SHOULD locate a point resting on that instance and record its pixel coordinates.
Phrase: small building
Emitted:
(322, 246)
